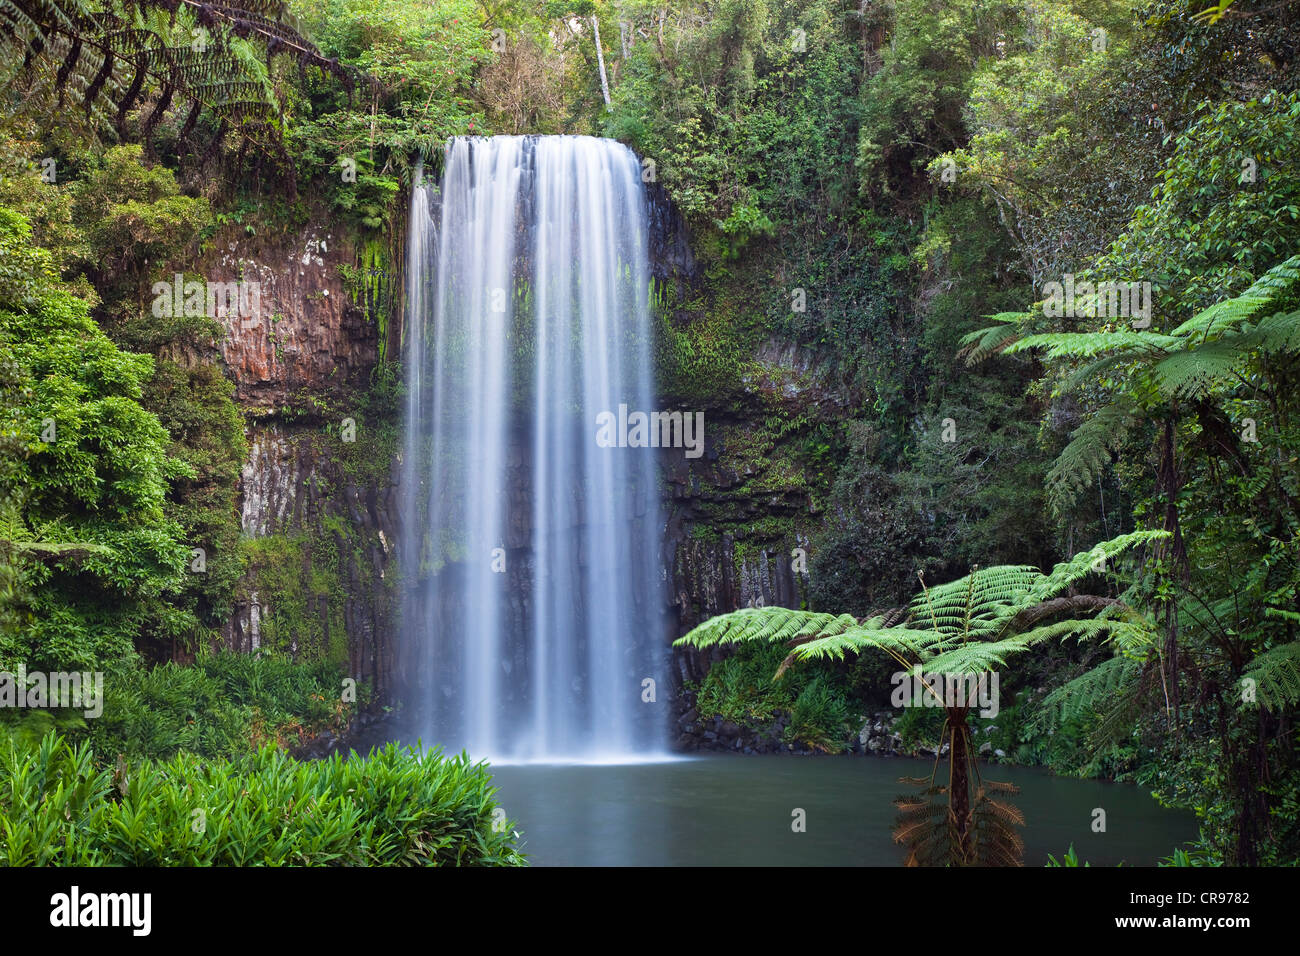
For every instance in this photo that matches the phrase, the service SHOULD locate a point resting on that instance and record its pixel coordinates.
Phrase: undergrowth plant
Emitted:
(395, 807)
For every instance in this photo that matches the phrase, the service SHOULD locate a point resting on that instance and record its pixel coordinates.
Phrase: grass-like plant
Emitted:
(396, 807)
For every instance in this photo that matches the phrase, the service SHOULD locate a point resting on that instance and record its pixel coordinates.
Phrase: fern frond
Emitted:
(1066, 574)
(1278, 333)
(1088, 453)
(1225, 316)
(975, 606)
(898, 642)
(978, 657)
(1088, 345)
(1097, 370)
(1086, 695)
(766, 624)
(995, 841)
(1276, 674)
(1195, 371)
(117, 62)
(981, 344)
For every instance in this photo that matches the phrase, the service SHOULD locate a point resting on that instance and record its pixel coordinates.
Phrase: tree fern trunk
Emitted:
(1168, 482)
(959, 783)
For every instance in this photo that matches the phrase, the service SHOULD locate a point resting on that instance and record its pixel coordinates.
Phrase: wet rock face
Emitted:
(341, 535)
(736, 518)
(670, 245)
(306, 336)
(740, 517)
(301, 362)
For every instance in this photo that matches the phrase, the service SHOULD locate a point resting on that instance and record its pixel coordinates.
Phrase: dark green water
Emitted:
(724, 810)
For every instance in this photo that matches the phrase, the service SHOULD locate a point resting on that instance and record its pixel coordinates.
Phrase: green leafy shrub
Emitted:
(394, 807)
(820, 717)
(99, 554)
(223, 706)
(740, 688)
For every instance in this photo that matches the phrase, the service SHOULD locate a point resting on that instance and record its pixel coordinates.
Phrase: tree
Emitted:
(84, 519)
(1164, 377)
(120, 57)
(963, 630)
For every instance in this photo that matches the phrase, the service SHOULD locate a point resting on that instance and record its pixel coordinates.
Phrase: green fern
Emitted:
(984, 343)
(1227, 316)
(1090, 345)
(1276, 673)
(1086, 697)
(1145, 374)
(965, 626)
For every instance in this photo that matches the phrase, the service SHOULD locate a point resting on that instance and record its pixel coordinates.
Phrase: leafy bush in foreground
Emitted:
(394, 807)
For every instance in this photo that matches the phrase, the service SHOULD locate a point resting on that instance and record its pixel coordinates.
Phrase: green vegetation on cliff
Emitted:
(879, 197)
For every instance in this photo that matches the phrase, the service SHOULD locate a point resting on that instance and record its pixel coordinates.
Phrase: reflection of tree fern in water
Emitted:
(968, 821)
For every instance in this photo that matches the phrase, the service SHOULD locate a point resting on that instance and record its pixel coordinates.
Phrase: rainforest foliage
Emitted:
(891, 188)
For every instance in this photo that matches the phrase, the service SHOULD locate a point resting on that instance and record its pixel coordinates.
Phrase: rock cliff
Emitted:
(319, 511)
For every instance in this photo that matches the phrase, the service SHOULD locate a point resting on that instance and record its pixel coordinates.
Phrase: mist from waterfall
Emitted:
(532, 615)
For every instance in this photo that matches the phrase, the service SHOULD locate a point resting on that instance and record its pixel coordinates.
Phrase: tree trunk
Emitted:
(600, 59)
(1169, 484)
(959, 783)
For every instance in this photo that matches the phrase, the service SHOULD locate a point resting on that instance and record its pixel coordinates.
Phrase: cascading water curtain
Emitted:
(532, 616)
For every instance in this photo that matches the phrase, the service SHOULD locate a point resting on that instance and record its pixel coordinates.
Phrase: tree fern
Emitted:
(767, 624)
(1088, 453)
(969, 626)
(1194, 372)
(1089, 345)
(1086, 696)
(1278, 333)
(1276, 677)
(157, 53)
(946, 623)
(984, 343)
(1223, 317)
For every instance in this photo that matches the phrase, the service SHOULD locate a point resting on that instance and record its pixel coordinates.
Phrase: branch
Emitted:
(1079, 602)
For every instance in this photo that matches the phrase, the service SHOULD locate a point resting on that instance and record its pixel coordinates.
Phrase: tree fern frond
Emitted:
(1276, 676)
(995, 841)
(1066, 574)
(1086, 695)
(1193, 372)
(899, 642)
(1225, 316)
(765, 624)
(981, 344)
(1088, 345)
(1278, 333)
(976, 605)
(1089, 452)
(980, 656)
(120, 61)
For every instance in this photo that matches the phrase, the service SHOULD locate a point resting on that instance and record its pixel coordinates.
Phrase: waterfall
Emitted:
(531, 613)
